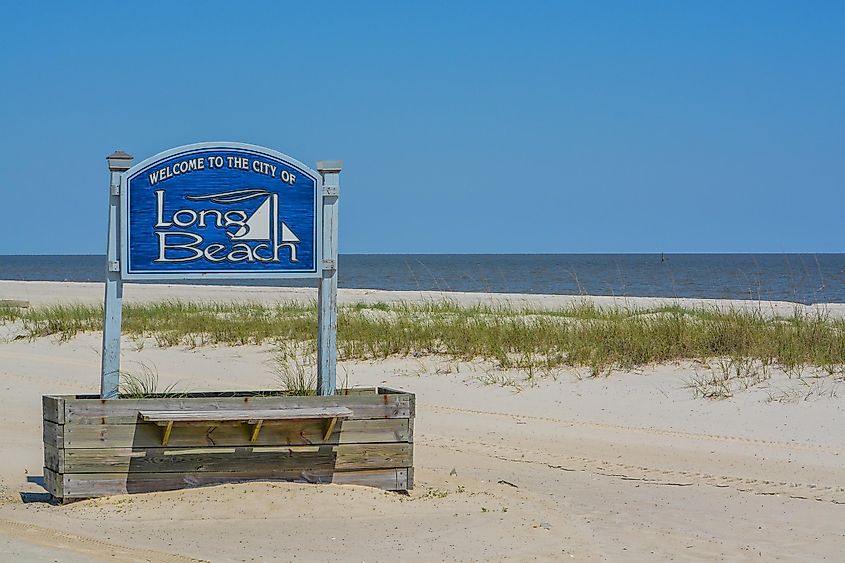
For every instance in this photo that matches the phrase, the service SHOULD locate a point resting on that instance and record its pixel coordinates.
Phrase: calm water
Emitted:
(806, 278)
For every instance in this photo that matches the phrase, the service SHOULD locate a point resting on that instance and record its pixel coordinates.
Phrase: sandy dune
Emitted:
(624, 467)
(45, 293)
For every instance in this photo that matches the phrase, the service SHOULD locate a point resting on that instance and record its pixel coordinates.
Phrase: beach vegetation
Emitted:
(738, 347)
(8, 313)
(142, 383)
(295, 375)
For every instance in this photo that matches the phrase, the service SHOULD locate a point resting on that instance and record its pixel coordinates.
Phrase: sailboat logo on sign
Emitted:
(254, 236)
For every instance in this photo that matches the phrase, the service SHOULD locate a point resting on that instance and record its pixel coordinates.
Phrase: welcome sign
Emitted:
(220, 211)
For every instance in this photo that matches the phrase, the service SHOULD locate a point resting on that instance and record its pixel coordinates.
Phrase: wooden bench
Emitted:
(255, 417)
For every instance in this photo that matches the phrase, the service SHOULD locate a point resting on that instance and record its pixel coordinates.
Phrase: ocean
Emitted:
(802, 278)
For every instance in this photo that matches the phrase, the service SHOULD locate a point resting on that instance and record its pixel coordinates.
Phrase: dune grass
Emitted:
(580, 335)
(142, 383)
(295, 375)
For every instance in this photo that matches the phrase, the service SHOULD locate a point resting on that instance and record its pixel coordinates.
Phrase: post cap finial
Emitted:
(329, 165)
(119, 160)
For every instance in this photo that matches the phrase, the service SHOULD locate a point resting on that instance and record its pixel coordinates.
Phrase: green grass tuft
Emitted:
(143, 384)
(294, 375)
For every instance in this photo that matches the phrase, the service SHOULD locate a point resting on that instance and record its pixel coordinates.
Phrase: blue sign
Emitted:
(221, 210)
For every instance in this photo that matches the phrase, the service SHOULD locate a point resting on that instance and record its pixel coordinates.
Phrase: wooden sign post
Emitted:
(221, 211)
(327, 293)
(119, 162)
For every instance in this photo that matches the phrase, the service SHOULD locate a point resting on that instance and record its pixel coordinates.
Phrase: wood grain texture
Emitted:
(53, 434)
(125, 411)
(54, 483)
(294, 432)
(411, 397)
(246, 415)
(89, 485)
(268, 459)
(53, 408)
(359, 391)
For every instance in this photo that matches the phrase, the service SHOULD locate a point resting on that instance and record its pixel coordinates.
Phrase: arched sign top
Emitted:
(256, 149)
(221, 211)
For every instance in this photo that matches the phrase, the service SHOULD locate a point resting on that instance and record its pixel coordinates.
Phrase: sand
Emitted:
(624, 467)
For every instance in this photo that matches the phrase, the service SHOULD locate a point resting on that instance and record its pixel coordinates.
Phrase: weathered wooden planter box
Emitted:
(95, 447)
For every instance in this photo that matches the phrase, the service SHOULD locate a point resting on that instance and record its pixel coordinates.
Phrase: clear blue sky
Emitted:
(464, 127)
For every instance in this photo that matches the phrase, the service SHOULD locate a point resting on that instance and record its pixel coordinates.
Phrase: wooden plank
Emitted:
(295, 432)
(391, 391)
(54, 483)
(54, 458)
(358, 391)
(101, 484)
(254, 394)
(14, 303)
(255, 432)
(269, 459)
(389, 480)
(245, 415)
(53, 408)
(398, 392)
(167, 430)
(125, 411)
(53, 434)
(329, 429)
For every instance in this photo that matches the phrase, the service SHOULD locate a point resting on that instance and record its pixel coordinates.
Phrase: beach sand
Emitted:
(628, 466)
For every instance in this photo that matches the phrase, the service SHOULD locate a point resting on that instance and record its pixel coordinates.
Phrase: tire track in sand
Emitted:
(631, 472)
(84, 545)
(646, 430)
